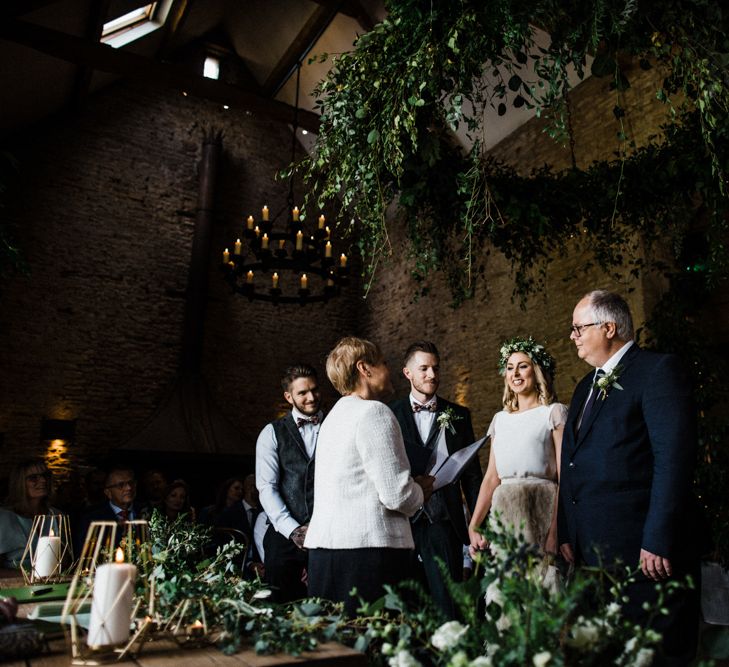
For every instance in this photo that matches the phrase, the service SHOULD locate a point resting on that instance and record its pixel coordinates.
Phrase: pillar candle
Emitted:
(264, 242)
(299, 240)
(328, 249)
(322, 219)
(249, 277)
(257, 230)
(264, 213)
(304, 282)
(111, 606)
(237, 247)
(328, 231)
(295, 213)
(343, 260)
(274, 280)
(226, 256)
(281, 244)
(249, 222)
(47, 555)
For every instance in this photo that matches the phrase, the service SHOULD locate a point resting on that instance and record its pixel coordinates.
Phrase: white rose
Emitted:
(403, 659)
(481, 661)
(613, 609)
(448, 635)
(584, 634)
(644, 658)
(541, 659)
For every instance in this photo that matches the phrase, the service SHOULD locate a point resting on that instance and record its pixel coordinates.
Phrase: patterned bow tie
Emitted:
(301, 421)
(431, 407)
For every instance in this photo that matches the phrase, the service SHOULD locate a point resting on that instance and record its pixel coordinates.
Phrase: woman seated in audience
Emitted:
(359, 535)
(176, 501)
(229, 493)
(29, 487)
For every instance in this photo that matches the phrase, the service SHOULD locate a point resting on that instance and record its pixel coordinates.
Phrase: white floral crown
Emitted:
(532, 349)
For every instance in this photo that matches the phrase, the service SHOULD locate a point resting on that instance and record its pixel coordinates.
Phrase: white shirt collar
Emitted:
(611, 363)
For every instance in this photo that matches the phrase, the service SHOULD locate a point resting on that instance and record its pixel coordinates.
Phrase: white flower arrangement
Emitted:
(606, 382)
(403, 658)
(448, 635)
(446, 418)
(541, 659)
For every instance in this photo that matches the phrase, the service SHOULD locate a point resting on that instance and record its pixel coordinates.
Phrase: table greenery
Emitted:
(523, 623)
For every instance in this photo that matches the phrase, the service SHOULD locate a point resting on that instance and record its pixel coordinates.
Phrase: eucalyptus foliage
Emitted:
(388, 109)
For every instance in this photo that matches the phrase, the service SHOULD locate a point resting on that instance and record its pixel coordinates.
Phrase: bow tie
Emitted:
(431, 407)
(300, 421)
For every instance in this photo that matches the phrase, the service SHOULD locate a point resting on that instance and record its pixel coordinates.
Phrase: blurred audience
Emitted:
(229, 493)
(176, 501)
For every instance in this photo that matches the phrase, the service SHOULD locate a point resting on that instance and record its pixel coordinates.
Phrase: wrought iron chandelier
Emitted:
(293, 264)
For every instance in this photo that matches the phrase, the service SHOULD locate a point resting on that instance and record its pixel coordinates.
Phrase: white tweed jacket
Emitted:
(363, 491)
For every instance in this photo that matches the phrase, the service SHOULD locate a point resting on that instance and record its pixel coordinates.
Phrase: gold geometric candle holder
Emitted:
(111, 593)
(48, 550)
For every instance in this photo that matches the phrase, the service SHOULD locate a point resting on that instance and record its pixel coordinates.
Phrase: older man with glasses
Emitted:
(120, 489)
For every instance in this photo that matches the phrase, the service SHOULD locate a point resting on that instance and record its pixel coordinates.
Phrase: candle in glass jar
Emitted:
(264, 242)
(249, 277)
(111, 606)
(226, 256)
(237, 247)
(304, 282)
(47, 555)
(264, 213)
(274, 281)
(322, 219)
(343, 260)
(328, 249)
(299, 240)
(249, 222)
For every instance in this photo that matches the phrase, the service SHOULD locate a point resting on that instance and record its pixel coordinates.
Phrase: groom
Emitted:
(627, 466)
(439, 529)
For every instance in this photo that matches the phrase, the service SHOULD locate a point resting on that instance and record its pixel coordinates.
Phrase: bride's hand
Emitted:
(550, 545)
(478, 542)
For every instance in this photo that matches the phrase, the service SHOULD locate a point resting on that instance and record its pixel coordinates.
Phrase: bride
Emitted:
(523, 470)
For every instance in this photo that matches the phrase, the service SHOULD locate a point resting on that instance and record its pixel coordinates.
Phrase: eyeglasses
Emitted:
(37, 477)
(120, 486)
(577, 328)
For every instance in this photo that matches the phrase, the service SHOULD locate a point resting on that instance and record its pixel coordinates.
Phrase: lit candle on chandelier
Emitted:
(274, 281)
(237, 247)
(281, 244)
(264, 242)
(328, 249)
(322, 219)
(295, 213)
(328, 231)
(343, 260)
(226, 256)
(304, 282)
(249, 222)
(264, 213)
(299, 240)
(257, 230)
(249, 278)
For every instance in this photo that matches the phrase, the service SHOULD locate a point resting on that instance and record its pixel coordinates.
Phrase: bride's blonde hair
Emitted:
(545, 390)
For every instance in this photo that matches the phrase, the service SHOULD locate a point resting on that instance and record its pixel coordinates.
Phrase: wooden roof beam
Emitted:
(351, 8)
(94, 28)
(105, 58)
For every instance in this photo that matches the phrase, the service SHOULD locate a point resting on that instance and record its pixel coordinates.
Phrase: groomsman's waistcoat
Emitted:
(296, 470)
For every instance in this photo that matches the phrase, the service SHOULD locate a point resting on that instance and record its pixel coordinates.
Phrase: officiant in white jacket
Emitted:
(359, 535)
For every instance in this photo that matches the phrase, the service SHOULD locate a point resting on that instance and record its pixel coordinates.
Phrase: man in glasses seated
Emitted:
(120, 489)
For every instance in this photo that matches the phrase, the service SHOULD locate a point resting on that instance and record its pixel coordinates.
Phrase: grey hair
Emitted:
(611, 307)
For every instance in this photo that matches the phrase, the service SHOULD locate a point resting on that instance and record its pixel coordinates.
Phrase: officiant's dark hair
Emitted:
(420, 346)
(295, 372)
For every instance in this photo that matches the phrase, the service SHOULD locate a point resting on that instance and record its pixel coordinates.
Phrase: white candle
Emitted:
(343, 260)
(47, 555)
(249, 222)
(264, 213)
(328, 231)
(321, 221)
(295, 213)
(304, 282)
(237, 247)
(226, 256)
(328, 249)
(249, 277)
(299, 240)
(257, 230)
(274, 281)
(111, 606)
(264, 242)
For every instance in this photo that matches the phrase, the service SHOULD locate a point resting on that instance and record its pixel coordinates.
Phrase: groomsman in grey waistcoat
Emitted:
(439, 529)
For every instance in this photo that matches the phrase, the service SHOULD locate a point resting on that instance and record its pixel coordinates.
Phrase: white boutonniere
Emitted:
(606, 382)
(446, 419)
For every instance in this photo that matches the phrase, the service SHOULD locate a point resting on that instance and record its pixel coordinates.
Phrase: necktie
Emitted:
(301, 421)
(593, 396)
(430, 407)
(123, 516)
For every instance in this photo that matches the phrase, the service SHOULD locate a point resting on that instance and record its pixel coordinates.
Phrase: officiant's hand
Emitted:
(654, 567)
(426, 483)
(298, 536)
(567, 553)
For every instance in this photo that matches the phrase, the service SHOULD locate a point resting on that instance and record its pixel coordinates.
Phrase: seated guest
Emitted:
(230, 492)
(242, 516)
(28, 490)
(359, 535)
(176, 501)
(120, 490)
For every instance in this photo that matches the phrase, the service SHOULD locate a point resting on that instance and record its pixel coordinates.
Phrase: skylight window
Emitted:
(130, 26)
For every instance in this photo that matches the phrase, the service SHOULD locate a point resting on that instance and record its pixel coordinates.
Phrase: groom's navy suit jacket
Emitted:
(626, 477)
(419, 454)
